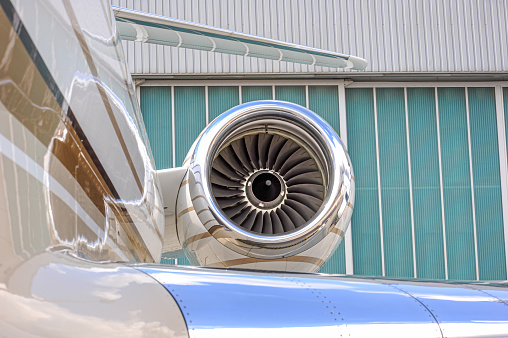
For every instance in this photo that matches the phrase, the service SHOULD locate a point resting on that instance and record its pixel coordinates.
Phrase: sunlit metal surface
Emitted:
(229, 301)
(56, 295)
(151, 28)
(93, 177)
(212, 238)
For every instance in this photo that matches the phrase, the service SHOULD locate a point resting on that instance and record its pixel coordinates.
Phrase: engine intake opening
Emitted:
(265, 190)
(266, 187)
(268, 181)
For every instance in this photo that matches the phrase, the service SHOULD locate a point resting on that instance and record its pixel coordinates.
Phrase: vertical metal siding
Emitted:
(295, 94)
(505, 100)
(393, 35)
(456, 184)
(156, 108)
(362, 150)
(425, 183)
(324, 100)
(487, 184)
(190, 118)
(221, 99)
(423, 134)
(254, 93)
(394, 171)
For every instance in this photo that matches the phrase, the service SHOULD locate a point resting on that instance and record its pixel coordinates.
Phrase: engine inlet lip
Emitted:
(293, 119)
(246, 120)
(255, 199)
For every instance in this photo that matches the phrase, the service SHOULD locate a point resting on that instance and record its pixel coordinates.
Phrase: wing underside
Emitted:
(150, 28)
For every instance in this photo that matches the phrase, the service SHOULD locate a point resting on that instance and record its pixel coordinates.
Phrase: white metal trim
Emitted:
(503, 163)
(173, 125)
(316, 82)
(472, 184)
(239, 82)
(240, 95)
(207, 106)
(427, 84)
(445, 250)
(379, 183)
(273, 92)
(138, 95)
(413, 241)
(307, 96)
(348, 237)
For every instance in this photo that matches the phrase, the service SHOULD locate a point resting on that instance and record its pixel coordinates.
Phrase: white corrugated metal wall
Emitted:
(393, 35)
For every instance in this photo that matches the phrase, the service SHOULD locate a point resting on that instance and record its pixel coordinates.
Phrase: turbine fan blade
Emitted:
(220, 179)
(222, 166)
(301, 183)
(313, 190)
(241, 152)
(264, 141)
(275, 147)
(251, 142)
(228, 154)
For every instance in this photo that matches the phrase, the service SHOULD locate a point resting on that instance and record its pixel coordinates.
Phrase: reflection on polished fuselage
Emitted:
(82, 213)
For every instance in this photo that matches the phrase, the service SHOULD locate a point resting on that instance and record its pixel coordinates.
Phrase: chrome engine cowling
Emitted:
(270, 186)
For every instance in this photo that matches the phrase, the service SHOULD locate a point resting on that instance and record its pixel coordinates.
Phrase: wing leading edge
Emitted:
(151, 28)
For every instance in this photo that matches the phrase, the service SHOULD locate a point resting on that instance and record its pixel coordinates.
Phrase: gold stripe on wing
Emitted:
(201, 211)
(126, 76)
(184, 183)
(210, 220)
(198, 196)
(337, 231)
(183, 212)
(195, 238)
(88, 56)
(203, 235)
(215, 228)
(34, 105)
(250, 260)
(104, 96)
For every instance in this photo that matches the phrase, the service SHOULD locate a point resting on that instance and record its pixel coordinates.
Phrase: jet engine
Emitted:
(269, 186)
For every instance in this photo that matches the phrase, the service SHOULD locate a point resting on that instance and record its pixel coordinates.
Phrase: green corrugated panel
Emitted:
(426, 186)
(487, 184)
(394, 171)
(190, 118)
(295, 94)
(221, 99)
(362, 150)
(254, 93)
(176, 261)
(171, 261)
(456, 183)
(324, 100)
(156, 110)
(505, 99)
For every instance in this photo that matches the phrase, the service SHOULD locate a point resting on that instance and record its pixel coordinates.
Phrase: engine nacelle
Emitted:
(270, 186)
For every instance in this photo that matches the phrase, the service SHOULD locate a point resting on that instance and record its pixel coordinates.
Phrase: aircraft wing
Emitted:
(151, 28)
